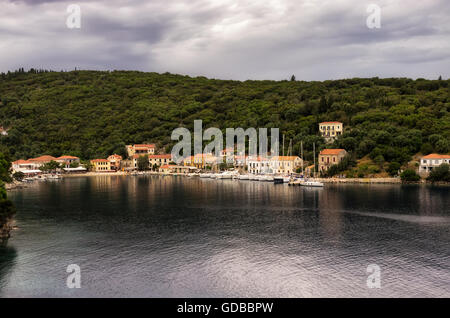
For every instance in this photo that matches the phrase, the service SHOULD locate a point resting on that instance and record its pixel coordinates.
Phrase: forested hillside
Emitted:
(94, 114)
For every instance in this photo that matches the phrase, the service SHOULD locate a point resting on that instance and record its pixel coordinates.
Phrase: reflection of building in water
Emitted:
(430, 200)
(330, 212)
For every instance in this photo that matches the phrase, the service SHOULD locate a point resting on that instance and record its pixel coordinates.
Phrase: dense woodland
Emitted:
(93, 114)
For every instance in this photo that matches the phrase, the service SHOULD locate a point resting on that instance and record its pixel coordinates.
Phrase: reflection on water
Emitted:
(192, 237)
(7, 260)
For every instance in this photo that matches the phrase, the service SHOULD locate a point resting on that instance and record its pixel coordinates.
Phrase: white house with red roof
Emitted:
(36, 163)
(431, 161)
(22, 165)
(66, 161)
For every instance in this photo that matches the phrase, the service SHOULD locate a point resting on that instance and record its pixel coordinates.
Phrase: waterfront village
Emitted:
(143, 158)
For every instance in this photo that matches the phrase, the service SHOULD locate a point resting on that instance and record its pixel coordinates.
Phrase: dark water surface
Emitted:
(190, 237)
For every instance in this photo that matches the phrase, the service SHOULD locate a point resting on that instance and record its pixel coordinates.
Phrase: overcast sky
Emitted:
(231, 39)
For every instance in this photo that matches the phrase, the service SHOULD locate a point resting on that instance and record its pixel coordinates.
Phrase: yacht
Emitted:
(311, 183)
(225, 175)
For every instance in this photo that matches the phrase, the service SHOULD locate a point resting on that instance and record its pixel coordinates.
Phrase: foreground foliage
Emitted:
(7, 209)
(441, 173)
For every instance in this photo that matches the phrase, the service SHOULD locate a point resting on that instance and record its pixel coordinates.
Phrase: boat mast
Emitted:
(301, 150)
(314, 155)
(283, 146)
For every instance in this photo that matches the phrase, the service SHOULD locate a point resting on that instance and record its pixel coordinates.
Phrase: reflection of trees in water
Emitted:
(8, 257)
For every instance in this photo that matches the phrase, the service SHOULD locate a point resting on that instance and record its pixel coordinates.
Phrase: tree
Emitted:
(50, 166)
(7, 209)
(426, 148)
(5, 168)
(409, 175)
(74, 164)
(142, 163)
(19, 175)
(441, 173)
(293, 78)
(393, 168)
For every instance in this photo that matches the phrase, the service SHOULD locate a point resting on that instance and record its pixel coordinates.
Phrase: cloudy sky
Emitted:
(231, 39)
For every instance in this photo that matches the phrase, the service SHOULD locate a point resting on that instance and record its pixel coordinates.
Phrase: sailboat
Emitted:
(312, 183)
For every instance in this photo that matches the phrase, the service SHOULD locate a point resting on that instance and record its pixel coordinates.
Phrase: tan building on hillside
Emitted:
(101, 165)
(115, 161)
(201, 161)
(329, 157)
(140, 149)
(331, 129)
(159, 160)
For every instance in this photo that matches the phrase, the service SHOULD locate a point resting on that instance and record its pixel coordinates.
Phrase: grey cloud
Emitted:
(245, 39)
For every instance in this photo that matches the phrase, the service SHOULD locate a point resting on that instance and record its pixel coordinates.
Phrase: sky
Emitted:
(231, 39)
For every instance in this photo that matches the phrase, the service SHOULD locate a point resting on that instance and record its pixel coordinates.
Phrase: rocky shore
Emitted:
(5, 229)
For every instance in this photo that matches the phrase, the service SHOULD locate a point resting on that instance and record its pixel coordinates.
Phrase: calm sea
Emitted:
(155, 236)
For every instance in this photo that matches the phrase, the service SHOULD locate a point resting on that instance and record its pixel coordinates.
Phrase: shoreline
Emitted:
(20, 184)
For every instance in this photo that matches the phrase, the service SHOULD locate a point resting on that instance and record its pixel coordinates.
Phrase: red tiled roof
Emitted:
(160, 156)
(115, 157)
(168, 166)
(43, 158)
(99, 160)
(66, 157)
(144, 146)
(285, 158)
(331, 151)
(436, 156)
(21, 161)
(258, 158)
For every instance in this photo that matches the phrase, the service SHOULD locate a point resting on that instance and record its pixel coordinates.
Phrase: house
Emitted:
(101, 165)
(115, 161)
(140, 149)
(22, 165)
(36, 163)
(258, 164)
(329, 157)
(176, 169)
(159, 160)
(309, 171)
(40, 161)
(431, 161)
(201, 161)
(240, 161)
(66, 161)
(331, 129)
(284, 164)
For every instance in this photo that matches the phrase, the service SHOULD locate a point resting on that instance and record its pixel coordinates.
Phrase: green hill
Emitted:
(94, 114)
